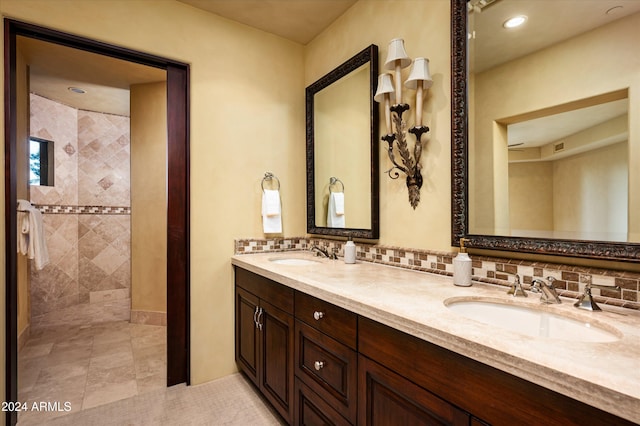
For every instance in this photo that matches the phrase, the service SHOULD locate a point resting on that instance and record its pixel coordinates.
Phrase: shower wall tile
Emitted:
(86, 215)
(56, 286)
(56, 122)
(104, 252)
(104, 160)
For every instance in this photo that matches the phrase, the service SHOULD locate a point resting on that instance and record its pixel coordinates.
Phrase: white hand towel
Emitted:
(31, 234)
(271, 212)
(23, 232)
(23, 226)
(335, 220)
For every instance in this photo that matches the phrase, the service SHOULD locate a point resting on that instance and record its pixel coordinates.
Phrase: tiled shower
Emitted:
(86, 217)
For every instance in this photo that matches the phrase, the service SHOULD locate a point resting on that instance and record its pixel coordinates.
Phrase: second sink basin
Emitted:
(531, 321)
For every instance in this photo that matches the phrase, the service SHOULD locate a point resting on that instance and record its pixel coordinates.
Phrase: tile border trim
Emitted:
(492, 270)
(69, 209)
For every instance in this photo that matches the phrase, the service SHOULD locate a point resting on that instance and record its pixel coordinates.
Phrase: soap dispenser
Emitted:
(462, 267)
(350, 252)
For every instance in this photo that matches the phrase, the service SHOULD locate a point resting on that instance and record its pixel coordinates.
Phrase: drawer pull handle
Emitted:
(318, 365)
(317, 315)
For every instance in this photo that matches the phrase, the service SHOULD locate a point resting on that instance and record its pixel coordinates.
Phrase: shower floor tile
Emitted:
(87, 366)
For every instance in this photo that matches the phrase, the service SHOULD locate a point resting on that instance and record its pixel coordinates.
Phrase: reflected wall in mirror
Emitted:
(525, 106)
(342, 150)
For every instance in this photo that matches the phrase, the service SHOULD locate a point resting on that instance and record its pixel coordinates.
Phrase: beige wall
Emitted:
(531, 196)
(425, 27)
(590, 193)
(511, 89)
(148, 198)
(247, 117)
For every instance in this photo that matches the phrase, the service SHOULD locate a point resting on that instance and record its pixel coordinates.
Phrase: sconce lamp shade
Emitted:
(419, 74)
(397, 52)
(385, 86)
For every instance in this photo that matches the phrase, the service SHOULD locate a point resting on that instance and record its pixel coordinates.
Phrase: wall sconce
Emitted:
(419, 80)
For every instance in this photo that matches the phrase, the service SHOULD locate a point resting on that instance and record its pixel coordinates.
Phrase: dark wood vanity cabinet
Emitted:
(388, 399)
(325, 362)
(465, 385)
(319, 364)
(264, 338)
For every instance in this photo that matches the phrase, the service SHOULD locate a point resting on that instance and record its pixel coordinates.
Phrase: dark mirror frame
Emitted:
(368, 55)
(460, 176)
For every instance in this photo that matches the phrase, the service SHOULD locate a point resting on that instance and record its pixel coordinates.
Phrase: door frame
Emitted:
(178, 196)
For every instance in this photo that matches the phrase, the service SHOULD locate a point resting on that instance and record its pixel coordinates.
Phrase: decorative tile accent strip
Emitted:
(570, 280)
(254, 245)
(61, 209)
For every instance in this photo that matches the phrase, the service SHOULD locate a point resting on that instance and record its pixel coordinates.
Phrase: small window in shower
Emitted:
(41, 165)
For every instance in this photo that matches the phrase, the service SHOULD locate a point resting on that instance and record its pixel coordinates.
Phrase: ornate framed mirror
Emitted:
(589, 210)
(342, 150)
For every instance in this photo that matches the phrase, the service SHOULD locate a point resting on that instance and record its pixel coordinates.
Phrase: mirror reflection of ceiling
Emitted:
(295, 20)
(491, 44)
(54, 68)
(553, 128)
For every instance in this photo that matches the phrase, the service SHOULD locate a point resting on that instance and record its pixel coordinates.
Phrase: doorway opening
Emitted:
(177, 172)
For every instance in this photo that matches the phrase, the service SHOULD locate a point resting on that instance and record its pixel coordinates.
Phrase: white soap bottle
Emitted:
(462, 267)
(350, 252)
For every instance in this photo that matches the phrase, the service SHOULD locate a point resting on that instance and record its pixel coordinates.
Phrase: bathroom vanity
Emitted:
(329, 343)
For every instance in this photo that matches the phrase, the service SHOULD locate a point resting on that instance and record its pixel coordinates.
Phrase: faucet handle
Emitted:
(551, 281)
(537, 284)
(516, 289)
(586, 300)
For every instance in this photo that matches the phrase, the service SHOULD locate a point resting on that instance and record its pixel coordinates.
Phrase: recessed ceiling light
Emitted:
(76, 90)
(516, 21)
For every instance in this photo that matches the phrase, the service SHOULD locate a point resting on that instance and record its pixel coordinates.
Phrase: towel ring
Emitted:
(269, 176)
(333, 181)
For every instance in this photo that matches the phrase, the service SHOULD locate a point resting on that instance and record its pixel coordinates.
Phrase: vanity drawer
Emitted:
(328, 367)
(336, 322)
(311, 410)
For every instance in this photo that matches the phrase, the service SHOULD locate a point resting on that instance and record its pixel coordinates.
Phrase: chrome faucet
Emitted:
(586, 300)
(516, 289)
(546, 289)
(320, 251)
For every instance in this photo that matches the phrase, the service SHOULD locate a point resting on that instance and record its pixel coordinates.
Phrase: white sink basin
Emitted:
(532, 322)
(293, 261)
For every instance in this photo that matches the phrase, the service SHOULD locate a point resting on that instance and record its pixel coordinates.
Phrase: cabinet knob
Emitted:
(318, 365)
(317, 315)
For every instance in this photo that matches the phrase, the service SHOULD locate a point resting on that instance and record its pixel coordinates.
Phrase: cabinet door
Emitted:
(247, 355)
(276, 378)
(386, 398)
(311, 410)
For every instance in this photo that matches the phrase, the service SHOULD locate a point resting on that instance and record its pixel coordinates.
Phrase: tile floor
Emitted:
(230, 400)
(89, 365)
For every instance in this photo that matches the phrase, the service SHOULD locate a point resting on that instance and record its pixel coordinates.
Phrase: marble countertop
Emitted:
(604, 375)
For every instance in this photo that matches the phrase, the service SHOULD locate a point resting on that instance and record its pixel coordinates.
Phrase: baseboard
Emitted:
(148, 317)
(23, 337)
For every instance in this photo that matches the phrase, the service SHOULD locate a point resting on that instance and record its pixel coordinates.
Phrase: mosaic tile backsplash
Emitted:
(86, 214)
(570, 280)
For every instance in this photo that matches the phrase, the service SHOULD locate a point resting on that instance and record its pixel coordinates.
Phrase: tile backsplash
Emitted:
(570, 280)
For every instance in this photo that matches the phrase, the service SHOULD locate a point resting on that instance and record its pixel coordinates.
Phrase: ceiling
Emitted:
(296, 20)
(55, 68)
(548, 22)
